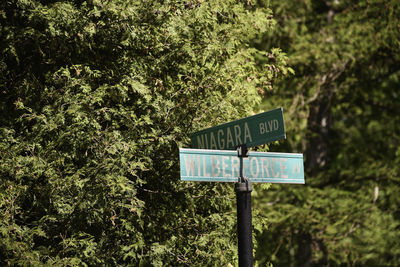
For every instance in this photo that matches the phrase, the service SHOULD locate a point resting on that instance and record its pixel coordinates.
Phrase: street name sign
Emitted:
(205, 165)
(251, 131)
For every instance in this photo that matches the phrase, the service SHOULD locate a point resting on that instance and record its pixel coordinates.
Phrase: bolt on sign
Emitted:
(252, 131)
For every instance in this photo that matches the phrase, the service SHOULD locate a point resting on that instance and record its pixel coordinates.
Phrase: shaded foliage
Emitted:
(342, 111)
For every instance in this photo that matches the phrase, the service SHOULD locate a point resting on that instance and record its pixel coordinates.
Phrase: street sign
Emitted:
(207, 165)
(252, 131)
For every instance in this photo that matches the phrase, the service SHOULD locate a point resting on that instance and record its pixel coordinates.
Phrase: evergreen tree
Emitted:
(342, 112)
(95, 99)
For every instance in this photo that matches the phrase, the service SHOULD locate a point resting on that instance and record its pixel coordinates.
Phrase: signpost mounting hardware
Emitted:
(215, 160)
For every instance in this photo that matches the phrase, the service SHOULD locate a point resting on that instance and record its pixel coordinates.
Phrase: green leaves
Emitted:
(339, 112)
(96, 97)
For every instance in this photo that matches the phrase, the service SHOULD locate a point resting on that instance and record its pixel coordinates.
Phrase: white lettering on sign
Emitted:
(272, 168)
(296, 168)
(283, 167)
(229, 166)
(189, 165)
(230, 137)
(247, 134)
(200, 141)
(213, 143)
(264, 166)
(268, 126)
(215, 166)
(224, 166)
(245, 164)
(237, 135)
(204, 168)
(235, 166)
(198, 166)
(221, 140)
(254, 162)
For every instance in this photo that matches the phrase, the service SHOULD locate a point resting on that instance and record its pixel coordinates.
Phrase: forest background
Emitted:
(97, 96)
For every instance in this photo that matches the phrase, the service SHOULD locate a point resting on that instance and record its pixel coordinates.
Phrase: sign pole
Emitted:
(215, 160)
(243, 203)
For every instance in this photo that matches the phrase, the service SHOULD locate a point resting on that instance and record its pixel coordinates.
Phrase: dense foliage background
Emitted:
(97, 96)
(342, 111)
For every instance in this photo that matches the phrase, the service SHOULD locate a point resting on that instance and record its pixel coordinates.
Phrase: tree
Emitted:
(96, 97)
(341, 111)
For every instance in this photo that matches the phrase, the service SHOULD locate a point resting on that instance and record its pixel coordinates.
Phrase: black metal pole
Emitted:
(244, 224)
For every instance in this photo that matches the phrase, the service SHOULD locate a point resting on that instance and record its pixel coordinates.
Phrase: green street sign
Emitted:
(252, 131)
(206, 165)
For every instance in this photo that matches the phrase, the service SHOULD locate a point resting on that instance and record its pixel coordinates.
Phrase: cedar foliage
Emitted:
(342, 111)
(95, 99)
